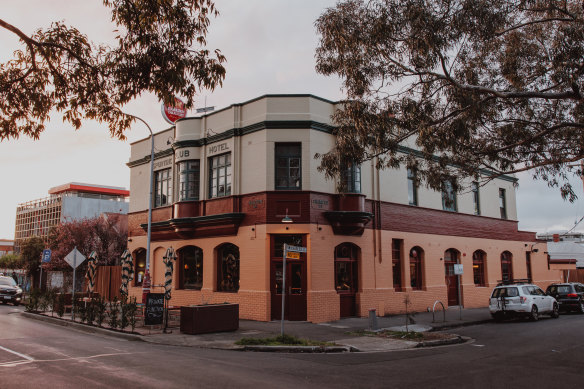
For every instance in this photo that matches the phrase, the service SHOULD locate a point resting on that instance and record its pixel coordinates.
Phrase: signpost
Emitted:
(74, 259)
(459, 270)
(46, 258)
(290, 252)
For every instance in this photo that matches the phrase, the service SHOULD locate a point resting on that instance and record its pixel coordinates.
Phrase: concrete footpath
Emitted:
(344, 333)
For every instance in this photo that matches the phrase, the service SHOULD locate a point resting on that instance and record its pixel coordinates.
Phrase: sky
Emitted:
(269, 47)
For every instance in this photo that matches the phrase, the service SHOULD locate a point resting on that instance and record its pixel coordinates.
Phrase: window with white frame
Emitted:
(162, 188)
(188, 180)
(448, 197)
(220, 175)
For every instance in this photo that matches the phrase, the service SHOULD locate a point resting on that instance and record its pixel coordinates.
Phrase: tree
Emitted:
(465, 89)
(107, 236)
(11, 261)
(59, 69)
(31, 250)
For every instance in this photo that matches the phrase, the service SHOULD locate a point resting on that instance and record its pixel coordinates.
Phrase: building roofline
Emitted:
(90, 188)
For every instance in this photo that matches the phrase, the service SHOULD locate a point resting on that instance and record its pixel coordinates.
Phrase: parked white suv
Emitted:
(521, 299)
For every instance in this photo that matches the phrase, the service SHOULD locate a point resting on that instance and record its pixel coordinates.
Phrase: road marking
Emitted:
(17, 353)
(79, 359)
(478, 345)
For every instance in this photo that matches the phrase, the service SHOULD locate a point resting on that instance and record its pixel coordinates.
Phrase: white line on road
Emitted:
(79, 359)
(17, 353)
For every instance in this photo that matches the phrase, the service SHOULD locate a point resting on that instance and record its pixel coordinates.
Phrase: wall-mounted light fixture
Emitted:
(287, 219)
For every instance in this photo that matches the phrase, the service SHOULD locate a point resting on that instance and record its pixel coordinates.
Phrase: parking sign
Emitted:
(46, 255)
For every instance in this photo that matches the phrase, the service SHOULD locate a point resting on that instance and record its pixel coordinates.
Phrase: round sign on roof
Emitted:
(172, 112)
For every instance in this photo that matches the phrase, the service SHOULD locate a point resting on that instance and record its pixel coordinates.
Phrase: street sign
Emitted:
(458, 269)
(74, 258)
(296, 249)
(292, 255)
(46, 256)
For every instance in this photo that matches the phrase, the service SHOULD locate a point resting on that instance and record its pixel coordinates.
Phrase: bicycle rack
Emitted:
(434, 309)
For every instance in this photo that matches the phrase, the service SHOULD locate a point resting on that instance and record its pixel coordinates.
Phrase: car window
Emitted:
(505, 292)
(552, 289)
(538, 291)
(7, 281)
(564, 289)
(579, 288)
(526, 290)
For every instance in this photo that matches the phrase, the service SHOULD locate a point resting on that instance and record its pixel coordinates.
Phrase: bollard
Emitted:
(373, 319)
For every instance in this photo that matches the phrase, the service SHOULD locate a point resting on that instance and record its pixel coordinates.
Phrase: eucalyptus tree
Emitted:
(458, 89)
(160, 48)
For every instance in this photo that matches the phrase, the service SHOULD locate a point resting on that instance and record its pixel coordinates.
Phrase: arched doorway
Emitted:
(451, 258)
(139, 266)
(506, 266)
(347, 276)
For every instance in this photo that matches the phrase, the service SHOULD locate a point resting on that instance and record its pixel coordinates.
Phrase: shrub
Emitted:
(100, 310)
(113, 313)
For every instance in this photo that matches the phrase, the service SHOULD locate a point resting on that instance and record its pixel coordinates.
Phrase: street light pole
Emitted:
(146, 281)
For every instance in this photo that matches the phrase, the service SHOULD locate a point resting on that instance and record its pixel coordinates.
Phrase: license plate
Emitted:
(6, 297)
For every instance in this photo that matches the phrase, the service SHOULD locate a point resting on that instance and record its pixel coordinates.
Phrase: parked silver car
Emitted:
(521, 299)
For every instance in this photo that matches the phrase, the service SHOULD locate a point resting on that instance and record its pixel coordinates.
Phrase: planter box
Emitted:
(202, 319)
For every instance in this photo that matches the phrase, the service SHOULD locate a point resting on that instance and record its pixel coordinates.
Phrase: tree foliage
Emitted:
(108, 237)
(459, 86)
(11, 261)
(160, 49)
(31, 250)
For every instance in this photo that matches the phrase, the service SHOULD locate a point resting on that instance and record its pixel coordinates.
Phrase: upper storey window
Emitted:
(476, 200)
(351, 179)
(502, 204)
(288, 166)
(448, 197)
(220, 176)
(412, 187)
(162, 188)
(189, 180)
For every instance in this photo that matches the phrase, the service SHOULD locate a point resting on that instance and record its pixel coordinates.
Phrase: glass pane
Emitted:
(343, 276)
(296, 279)
(278, 278)
(294, 162)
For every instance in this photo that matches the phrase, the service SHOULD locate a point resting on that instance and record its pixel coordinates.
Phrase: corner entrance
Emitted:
(295, 304)
(346, 277)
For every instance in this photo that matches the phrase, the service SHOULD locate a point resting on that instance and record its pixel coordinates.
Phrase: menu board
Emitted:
(154, 309)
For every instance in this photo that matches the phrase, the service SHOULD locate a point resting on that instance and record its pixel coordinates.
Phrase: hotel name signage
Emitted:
(219, 148)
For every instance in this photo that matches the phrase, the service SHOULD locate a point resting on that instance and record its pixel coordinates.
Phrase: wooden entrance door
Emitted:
(346, 277)
(450, 259)
(295, 299)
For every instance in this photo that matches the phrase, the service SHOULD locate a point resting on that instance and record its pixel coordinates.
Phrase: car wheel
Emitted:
(533, 316)
(4, 302)
(16, 303)
(556, 311)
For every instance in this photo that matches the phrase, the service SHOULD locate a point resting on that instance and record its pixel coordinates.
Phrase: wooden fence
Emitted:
(108, 280)
(574, 275)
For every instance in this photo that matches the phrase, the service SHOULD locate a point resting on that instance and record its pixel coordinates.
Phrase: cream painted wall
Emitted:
(253, 157)
(254, 162)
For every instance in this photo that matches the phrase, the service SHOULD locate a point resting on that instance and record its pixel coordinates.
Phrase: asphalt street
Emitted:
(544, 354)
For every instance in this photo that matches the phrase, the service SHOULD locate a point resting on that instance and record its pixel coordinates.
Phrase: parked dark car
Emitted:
(570, 295)
(10, 292)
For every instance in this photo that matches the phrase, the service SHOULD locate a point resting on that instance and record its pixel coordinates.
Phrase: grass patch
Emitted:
(285, 340)
(411, 335)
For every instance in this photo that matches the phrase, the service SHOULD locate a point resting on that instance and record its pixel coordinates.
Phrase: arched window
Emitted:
(478, 267)
(346, 256)
(191, 268)
(506, 266)
(139, 266)
(416, 254)
(227, 268)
